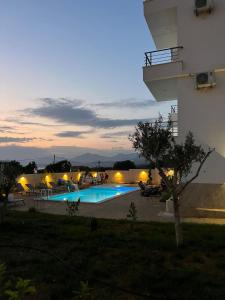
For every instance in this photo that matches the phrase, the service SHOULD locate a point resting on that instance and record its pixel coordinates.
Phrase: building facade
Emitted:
(189, 66)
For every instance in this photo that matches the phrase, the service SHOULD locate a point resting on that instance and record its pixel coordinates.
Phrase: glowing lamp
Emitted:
(170, 173)
(65, 176)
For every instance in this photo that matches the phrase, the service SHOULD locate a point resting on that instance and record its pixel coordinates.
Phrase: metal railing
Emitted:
(162, 56)
(173, 109)
(174, 127)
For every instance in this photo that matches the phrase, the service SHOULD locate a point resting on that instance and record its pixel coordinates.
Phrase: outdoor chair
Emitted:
(31, 189)
(19, 188)
(149, 190)
(58, 188)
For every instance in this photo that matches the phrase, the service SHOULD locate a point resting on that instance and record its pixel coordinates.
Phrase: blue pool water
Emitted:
(94, 194)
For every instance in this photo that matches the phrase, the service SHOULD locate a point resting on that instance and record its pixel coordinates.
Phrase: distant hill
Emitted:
(92, 160)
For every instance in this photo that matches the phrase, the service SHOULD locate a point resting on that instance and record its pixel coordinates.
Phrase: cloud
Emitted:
(6, 128)
(129, 103)
(115, 134)
(74, 112)
(75, 134)
(21, 122)
(6, 139)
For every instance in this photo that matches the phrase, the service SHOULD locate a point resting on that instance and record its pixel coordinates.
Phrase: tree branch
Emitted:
(197, 173)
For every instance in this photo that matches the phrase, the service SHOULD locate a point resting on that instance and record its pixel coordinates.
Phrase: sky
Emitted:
(71, 76)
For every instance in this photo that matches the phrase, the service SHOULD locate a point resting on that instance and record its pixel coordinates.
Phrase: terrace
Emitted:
(161, 70)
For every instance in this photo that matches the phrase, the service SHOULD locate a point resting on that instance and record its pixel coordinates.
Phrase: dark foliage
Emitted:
(156, 143)
(124, 165)
(61, 166)
(30, 168)
(144, 259)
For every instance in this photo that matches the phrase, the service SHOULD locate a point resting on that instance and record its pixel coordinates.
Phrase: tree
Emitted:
(124, 165)
(156, 143)
(30, 168)
(61, 166)
(9, 171)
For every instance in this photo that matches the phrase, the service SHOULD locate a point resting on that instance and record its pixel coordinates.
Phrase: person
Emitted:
(106, 177)
(148, 191)
(102, 177)
(141, 185)
(163, 185)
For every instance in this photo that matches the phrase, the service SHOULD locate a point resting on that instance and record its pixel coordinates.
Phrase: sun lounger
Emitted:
(11, 202)
(149, 190)
(19, 188)
(57, 188)
(16, 202)
(30, 187)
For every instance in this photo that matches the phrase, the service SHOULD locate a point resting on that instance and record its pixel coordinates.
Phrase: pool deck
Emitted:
(148, 209)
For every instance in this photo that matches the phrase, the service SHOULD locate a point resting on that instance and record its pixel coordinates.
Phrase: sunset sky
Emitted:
(71, 76)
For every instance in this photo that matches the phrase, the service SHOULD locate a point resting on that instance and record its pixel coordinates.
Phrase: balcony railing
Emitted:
(173, 109)
(162, 56)
(174, 127)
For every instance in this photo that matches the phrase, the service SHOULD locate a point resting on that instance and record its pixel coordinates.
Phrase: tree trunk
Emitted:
(177, 222)
(2, 213)
(3, 209)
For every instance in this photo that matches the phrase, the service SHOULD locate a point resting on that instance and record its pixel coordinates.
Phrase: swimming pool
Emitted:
(95, 194)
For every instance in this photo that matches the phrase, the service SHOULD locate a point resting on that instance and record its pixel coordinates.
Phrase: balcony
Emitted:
(161, 17)
(174, 115)
(174, 127)
(161, 71)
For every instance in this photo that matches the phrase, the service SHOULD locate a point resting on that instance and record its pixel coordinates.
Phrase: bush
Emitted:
(72, 207)
(16, 289)
(32, 210)
(94, 224)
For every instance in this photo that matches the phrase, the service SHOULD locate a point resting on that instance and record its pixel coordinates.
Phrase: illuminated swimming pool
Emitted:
(95, 194)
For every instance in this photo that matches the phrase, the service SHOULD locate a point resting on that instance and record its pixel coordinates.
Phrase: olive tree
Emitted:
(9, 171)
(156, 143)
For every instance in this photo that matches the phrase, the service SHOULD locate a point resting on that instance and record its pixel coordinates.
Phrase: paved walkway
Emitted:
(148, 209)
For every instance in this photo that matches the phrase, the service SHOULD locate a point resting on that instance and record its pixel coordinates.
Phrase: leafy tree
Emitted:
(61, 166)
(124, 165)
(30, 168)
(80, 168)
(9, 171)
(156, 143)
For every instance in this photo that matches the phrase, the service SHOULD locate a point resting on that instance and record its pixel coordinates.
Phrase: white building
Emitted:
(189, 66)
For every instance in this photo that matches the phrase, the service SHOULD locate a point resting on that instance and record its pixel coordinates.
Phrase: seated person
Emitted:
(149, 190)
(163, 185)
(142, 185)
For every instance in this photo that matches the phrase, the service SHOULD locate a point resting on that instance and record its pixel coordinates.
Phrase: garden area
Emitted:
(71, 257)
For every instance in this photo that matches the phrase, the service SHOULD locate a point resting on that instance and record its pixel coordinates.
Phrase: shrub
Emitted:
(94, 224)
(72, 207)
(16, 289)
(32, 210)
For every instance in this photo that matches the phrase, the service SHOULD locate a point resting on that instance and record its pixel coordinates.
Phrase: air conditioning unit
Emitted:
(205, 80)
(203, 6)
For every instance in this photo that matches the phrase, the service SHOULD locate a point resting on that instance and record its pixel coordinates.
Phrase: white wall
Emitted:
(202, 37)
(203, 111)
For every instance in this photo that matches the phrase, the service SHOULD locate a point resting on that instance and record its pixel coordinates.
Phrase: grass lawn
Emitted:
(143, 259)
